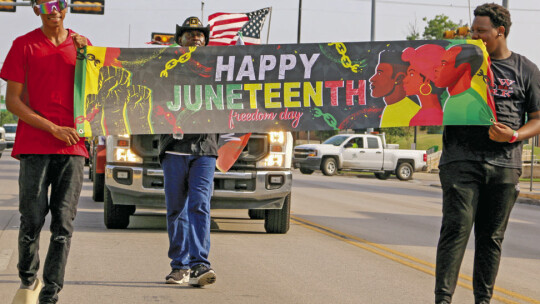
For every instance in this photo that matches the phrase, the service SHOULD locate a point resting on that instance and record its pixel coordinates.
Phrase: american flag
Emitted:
(224, 27)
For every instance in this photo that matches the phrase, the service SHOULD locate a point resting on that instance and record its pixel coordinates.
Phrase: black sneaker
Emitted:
(177, 276)
(201, 275)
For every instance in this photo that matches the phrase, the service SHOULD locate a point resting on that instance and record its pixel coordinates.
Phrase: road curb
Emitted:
(529, 198)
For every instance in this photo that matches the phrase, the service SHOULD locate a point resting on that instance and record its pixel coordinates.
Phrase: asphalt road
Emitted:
(352, 240)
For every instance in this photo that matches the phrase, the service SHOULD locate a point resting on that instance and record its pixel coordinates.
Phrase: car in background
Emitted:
(3, 143)
(96, 167)
(11, 129)
(88, 145)
(359, 152)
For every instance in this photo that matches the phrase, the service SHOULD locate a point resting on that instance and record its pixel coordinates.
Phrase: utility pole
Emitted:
(505, 3)
(372, 38)
(298, 41)
(299, 21)
(373, 20)
(202, 11)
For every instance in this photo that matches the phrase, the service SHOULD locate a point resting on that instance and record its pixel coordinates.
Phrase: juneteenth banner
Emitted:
(284, 87)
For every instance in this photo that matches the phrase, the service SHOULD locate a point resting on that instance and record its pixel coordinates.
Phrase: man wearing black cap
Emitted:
(188, 162)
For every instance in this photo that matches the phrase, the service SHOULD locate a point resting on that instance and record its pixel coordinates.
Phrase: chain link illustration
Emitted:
(328, 118)
(173, 62)
(345, 60)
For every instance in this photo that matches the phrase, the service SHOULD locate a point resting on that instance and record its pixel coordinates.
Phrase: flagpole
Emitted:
(269, 23)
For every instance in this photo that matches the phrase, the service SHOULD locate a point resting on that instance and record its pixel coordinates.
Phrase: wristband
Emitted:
(514, 137)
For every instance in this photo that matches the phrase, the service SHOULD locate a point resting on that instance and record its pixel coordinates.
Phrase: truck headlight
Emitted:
(312, 153)
(273, 160)
(122, 154)
(279, 156)
(118, 150)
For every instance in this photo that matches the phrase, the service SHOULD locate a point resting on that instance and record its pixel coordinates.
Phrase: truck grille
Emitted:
(300, 153)
(147, 147)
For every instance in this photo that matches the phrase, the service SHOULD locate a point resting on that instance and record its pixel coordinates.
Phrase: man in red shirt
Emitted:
(39, 70)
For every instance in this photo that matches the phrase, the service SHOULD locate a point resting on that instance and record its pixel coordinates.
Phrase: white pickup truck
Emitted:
(359, 152)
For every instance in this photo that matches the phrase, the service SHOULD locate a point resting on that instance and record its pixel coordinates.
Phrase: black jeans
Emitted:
(64, 175)
(480, 194)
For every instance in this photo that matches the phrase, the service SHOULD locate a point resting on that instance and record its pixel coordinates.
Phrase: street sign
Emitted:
(8, 8)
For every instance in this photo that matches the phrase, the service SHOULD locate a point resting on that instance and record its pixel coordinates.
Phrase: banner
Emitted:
(290, 87)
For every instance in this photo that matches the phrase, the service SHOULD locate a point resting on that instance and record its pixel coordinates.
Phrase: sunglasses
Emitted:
(49, 7)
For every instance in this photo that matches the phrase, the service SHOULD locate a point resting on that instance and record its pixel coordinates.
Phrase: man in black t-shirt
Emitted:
(480, 166)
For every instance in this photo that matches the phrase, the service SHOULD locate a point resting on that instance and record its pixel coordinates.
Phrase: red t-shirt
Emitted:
(48, 73)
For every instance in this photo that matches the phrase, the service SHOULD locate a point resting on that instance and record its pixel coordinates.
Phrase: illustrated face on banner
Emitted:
(413, 81)
(382, 83)
(447, 74)
(421, 71)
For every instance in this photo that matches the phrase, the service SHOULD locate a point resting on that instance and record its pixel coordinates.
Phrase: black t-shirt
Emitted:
(192, 144)
(516, 92)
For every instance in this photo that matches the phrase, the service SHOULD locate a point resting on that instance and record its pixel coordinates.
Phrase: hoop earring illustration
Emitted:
(429, 88)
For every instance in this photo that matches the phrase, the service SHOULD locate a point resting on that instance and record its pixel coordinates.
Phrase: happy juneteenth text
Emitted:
(273, 95)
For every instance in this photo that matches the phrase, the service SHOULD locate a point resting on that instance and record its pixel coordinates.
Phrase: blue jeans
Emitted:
(64, 175)
(480, 195)
(188, 189)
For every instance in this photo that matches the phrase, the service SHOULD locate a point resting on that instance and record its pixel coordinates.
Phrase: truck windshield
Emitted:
(10, 129)
(335, 140)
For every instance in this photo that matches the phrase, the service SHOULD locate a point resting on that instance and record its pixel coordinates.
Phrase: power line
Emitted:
(444, 5)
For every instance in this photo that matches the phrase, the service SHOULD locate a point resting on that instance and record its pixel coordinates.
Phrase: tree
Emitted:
(398, 134)
(7, 117)
(324, 135)
(434, 29)
(414, 34)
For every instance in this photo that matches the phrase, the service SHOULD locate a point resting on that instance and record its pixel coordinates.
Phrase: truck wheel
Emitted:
(329, 166)
(384, 175)
(98, 184)
(116, 216)
(404, 171)
(306, 171)
(277, 220)
(256, 214)
(90, 173)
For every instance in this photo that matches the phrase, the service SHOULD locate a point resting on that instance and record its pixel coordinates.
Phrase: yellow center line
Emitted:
(403, 258)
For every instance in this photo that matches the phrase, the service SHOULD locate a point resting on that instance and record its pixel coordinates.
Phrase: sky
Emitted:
(129, 23)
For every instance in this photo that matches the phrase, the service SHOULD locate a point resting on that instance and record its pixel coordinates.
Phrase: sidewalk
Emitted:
(526, 196)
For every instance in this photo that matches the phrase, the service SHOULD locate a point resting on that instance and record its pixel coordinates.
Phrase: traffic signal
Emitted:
(461, 32)
(162, 38)
(95, 7)
(8, 8)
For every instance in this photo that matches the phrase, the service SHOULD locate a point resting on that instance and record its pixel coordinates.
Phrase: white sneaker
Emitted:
(28, 296)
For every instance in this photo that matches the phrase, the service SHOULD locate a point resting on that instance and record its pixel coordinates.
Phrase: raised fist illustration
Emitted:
(119, 107)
